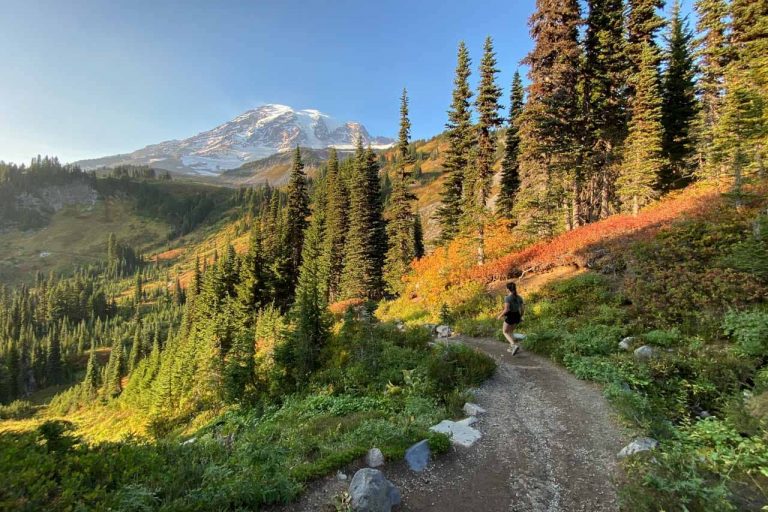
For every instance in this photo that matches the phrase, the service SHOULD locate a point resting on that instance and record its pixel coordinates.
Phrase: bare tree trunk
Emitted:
(481, 244)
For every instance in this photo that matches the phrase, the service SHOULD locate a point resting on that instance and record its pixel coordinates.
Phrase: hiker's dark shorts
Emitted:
(513, 318)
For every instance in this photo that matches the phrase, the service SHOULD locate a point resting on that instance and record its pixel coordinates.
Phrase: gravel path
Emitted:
(549, 444)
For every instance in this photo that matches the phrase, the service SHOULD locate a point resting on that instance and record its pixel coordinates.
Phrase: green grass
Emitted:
(76, 236)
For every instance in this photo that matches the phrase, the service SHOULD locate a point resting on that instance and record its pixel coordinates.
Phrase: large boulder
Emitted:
(417, 456)
(443, 331)
(644, 353)
(369, 491)
(374, 458)
(642, 444)
(518, 336)
(460, 432)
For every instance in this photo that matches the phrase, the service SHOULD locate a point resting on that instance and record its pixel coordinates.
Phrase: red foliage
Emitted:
(571, 246)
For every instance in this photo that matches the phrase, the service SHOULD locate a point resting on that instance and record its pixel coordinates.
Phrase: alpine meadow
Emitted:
(287, 312)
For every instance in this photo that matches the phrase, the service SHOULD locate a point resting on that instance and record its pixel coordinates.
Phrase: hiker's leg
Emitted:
(508, 330)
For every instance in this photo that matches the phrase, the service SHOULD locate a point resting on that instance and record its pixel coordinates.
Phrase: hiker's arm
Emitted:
(506, 308)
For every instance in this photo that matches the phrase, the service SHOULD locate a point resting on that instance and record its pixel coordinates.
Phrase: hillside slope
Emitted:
(685, 284)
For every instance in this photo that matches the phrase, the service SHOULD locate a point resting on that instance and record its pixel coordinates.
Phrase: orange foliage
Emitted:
(454, 266)
(567, 248)
(341, 307)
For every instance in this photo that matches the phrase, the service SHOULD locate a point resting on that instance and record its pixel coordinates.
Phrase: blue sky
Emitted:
(88, 78)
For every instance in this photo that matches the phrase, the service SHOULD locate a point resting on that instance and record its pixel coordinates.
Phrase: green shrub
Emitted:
(662, 338)
(17, 410)
(455, 366)
(749, 329)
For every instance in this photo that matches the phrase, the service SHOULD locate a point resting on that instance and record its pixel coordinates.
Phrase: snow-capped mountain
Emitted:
(250, 136)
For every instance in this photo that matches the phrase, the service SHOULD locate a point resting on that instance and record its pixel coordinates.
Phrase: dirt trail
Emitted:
(549, 444)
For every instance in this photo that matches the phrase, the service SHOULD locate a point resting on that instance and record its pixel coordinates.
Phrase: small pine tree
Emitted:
(91, 381)
(418, 237)
(114, 370)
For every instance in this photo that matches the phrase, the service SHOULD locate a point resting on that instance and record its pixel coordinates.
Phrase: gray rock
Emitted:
(400, 326)
(369, 491)
(191, 440)
(374, 458)
(626, 343)
(518, 336)
(340, 475)
(471, 409)
(644, 353)
(641, 444)
(430, 328)
(417, 456)
(443, 331)
(460, 432)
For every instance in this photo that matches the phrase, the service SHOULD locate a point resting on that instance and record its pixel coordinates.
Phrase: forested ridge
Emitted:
(284, 333)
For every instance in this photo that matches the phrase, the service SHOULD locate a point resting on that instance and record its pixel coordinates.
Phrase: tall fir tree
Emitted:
(310, 315)
(366, 237)
(679, 105)
(550, 133)
(337, 203)
(400, 235)
(478, 178)
(460, 134)
(604, 79)
(714, 54)
(643, 21)
(741, 133)
(510, 164)
(297, 211)
(642, 154)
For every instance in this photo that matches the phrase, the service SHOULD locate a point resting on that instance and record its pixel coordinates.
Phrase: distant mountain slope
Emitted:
(275, 169)
(253, 135)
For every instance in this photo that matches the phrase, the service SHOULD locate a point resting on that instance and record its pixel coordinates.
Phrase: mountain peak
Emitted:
(252, 135)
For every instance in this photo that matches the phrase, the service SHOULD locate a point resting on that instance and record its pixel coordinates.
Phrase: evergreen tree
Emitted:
(53, 363)
(418, 237)
(337, 203)
(250, 292)
(604, 79)
(460, 135)
(297, 211)
(404, 135)
(311, 324)
(91, 380)
(114, 370)
(510, 164)
(477, 184)
(400, 233)
(679, 105)
(713, 51)
(138, 288)
(550, 133)
(642, 155)
(366, 237)
(136, 348)
(643, 21)
(741, 133)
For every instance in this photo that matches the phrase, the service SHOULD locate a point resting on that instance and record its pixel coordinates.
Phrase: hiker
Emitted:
(513, 315)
